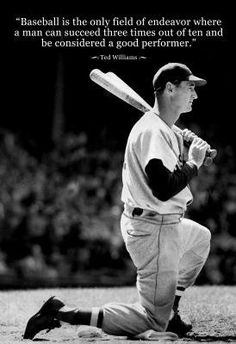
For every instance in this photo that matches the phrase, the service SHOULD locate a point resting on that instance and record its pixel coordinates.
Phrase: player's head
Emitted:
(174, 73)
(174, 83)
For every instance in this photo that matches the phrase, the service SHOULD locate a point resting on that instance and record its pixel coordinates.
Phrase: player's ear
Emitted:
(169, 87)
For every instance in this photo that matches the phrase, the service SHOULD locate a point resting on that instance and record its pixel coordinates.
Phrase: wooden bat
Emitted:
(115, 85)
(139, 103)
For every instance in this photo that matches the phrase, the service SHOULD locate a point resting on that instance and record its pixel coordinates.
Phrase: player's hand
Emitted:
(197, 151)
(188, 135)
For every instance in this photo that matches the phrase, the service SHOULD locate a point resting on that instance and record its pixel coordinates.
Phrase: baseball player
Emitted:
(167, 249)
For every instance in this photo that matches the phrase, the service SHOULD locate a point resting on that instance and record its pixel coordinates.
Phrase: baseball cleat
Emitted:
(44, 319)
(178, 326)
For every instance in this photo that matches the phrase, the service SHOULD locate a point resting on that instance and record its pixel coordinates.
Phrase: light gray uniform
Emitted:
(168, 250)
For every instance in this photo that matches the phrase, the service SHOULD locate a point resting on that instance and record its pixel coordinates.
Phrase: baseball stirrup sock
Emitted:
(96, 317)
(179, 292)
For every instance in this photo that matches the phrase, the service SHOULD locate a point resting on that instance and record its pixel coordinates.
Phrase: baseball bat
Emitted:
(113, 84)
(141, 104)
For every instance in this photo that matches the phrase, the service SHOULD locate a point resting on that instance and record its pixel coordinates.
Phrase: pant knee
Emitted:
(203, 246)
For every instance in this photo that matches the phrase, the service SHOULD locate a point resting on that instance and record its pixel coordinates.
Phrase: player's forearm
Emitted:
(166, 184)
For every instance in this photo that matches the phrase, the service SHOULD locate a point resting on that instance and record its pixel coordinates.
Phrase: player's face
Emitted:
(184, 96)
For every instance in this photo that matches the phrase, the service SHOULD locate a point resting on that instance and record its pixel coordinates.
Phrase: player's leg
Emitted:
(195, 249)
(54, 311)
(155, 251)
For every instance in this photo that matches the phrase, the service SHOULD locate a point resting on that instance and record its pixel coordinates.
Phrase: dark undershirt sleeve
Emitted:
(164, 183)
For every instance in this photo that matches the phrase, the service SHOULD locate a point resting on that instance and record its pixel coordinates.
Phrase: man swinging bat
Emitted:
(167, 249)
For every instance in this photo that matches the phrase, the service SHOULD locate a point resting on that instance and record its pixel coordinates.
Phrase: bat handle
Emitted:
(210, 155)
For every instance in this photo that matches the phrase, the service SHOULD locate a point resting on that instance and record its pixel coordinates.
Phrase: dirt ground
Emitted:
(212, 311)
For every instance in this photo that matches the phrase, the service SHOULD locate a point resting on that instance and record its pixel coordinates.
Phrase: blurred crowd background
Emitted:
(60, 212)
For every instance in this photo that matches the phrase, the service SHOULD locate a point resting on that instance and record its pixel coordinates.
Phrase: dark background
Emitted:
(32, 71)
(60, 184)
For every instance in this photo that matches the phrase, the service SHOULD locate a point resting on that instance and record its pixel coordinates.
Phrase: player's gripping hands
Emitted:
(188, 135)
(197, 151)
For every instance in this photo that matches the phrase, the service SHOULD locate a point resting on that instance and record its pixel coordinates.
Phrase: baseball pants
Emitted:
(168, 251)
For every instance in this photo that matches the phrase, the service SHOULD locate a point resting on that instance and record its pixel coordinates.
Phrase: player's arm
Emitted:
(164, 183)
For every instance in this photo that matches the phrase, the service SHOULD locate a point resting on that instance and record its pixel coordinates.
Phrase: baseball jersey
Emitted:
(151, 138)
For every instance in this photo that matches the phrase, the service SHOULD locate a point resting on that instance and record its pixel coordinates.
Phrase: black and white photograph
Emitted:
(118, 176)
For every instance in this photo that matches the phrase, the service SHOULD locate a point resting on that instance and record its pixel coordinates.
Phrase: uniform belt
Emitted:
(150, 214)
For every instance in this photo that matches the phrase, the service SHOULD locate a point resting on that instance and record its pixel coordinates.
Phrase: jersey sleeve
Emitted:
(157, 145)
